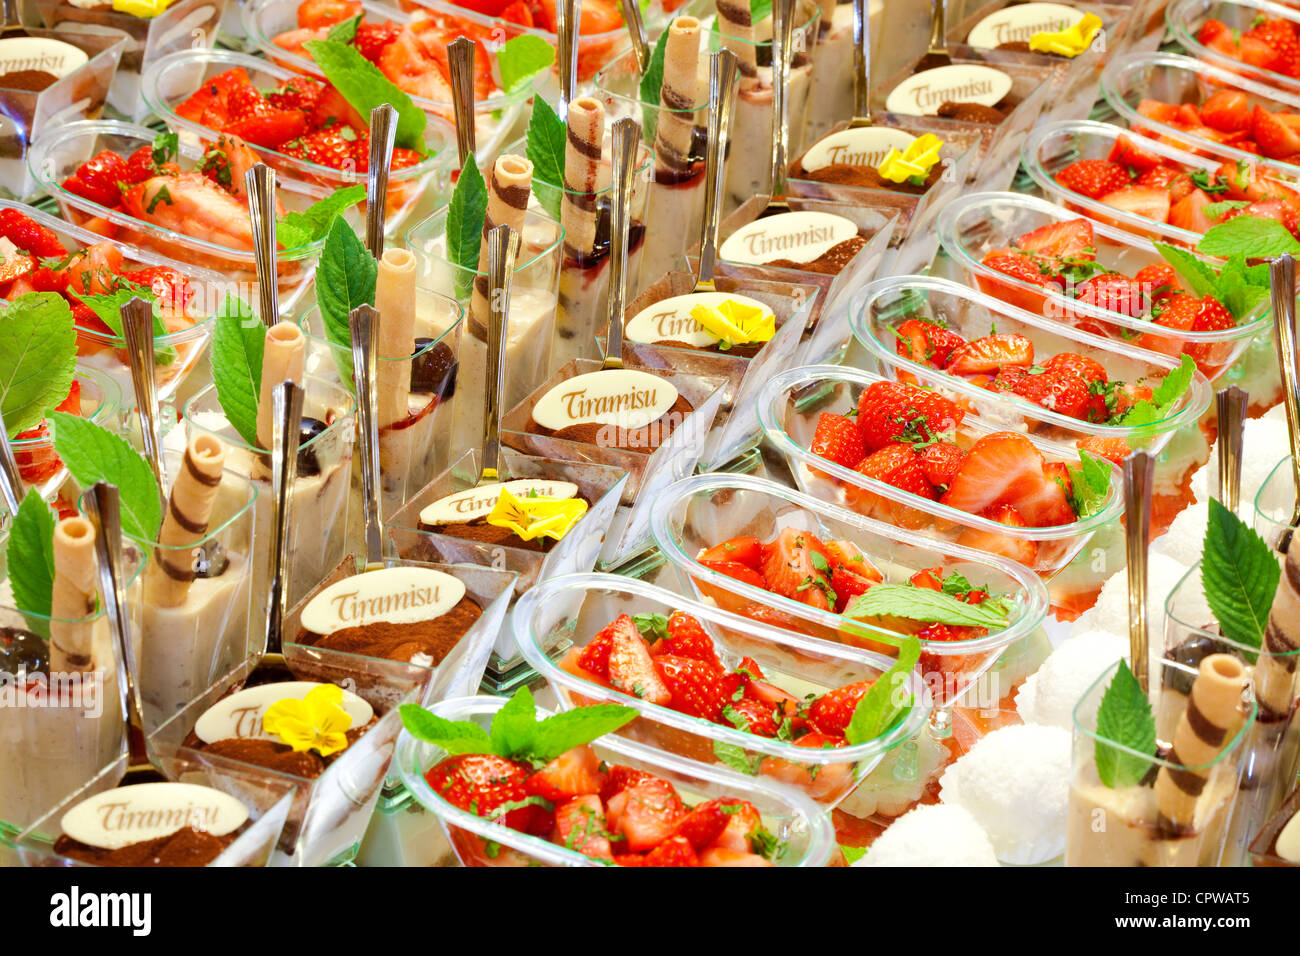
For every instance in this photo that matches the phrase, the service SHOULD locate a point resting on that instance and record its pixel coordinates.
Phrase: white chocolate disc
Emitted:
(923, 93)
(240, 715)
(625, 398)
(147, 811)
(1288, 841)
(798, 236)
(476, 502)
(38, 53)
(1018, 22)
(398, 595)
(670, 320)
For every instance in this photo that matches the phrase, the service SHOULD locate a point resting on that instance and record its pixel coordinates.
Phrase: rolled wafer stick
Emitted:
(73, 596)
(678, 96)
(1275, 668)
(582, 174)
(509, 187)
(189, 507)
(736, 25)
(1212, 718)
(281, 359)
(395, 300)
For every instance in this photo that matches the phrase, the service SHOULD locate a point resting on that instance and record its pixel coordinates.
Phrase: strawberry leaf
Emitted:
(1124, 718)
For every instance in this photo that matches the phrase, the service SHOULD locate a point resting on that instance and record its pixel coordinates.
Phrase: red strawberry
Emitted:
(1157, 281)
(746, 550)
(574, 773)
(704, 824)
(754, 716)
(1090, 370)
(1151, 202)
(480, 783)
(897, 465)
(1212, 316)
(595, 656)
(940, 462)
(991, 354)
(644, 812)
(621, 777)
(325, 147)
(1276, 209)
(797, 567)
(1189, 213)
(1060, 392)
(925, 342)
(1159, 111)
(1113, 291)
(838, 439)
(71, 404)
(1178, 311)
(1171, 178)
(1017, 549)
(675, 851)
(848, 555)
(686, 638)
(29, 236)
(97, 179)
(1005, 468)
(1274, 134)
(1128, 395)
(1021, 267)
(889, 410)
(1127, 153)
(297, 93)
(1060, 239)
(631, 668)
(698, 688)
(580, 825)
(371, 39)
(1093, 177)
(847, 585)
(271, 128)
(831, 712)
(139, 165)
(1110, 448)
(1227, 110)
(734, 569)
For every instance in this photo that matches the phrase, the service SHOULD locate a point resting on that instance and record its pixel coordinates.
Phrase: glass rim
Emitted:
(438, 219)
(1221, 638)
(1258, 507)
(313, 310)
(235, 440)
(110, 403)
(604, 74)
(245, 508)
(180, 337)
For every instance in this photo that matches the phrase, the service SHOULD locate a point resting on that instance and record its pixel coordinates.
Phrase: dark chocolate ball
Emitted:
(308, 464)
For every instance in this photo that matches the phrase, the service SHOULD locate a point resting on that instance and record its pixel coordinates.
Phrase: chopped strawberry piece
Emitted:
(925, 343)
(631, 668)
(645, 813)
(991, 354)
(580, 825)
(746, 550)
(734, 569)
(838, 439)
(698, 688)
(797, 567)
(675, 851)
(941, 461)
(686, 638)
(888, 411)
(702, 826)
(1058, 240)
(831, 712)
(574, 773)
(480, 783)
(1151, 202)
(1005, 468)
(1093, 177)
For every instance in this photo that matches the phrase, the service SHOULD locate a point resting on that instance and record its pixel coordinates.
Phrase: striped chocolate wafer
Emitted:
(189, 507)
(1275, 669)
(582, 155)
(678, 96)
(509, 187)
(73, 597)
(736, 26)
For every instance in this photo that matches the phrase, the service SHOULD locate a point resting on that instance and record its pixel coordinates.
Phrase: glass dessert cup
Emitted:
(176, 353)
(972, 226)
(1275, 503)
(1186, 17)
(705, 510)
(57, 155)
(832, 66)
(1171, 78)
(568, 612)
(675, 206)
(649, 470)
(1271, 751)
(736, 428)
(329, 812)
(184, 24)
(80, 94)
(458, 673)
(789, 407)
(415, 449)
(495, 116)
(39, 466)
(1121, 826)
(530, 325)
(583, 283)
(267, 796)
(799, 823)
(172, 80)
(886, 303)
(828, 334)
(318, 522)
(183, 649)
(1264, 850)
(601, 486)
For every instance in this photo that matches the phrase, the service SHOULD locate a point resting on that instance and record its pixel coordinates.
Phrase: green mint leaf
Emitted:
(924, 604)
(365, 87)
(1174, 385)
(1248, 236)
(515, 725)
(1198, 275)
(544, 148)
(1237, 290)
(653, 627)
(314, 223)
(573, 728)
(29, 556)
(759, 10)
(737, 758)
(108, 309)
(93, 453)
(878, 709)
(1089, 484)
(345, 31)
(238, 343)
(521, 58)
(957, 585)
(853, 853)
(465, 216)
(454, 737)
(1124, 718)
(345, 278)
(38, 358)
(166, 147)
(1216, 209)
(651, 89)
(1239, 574)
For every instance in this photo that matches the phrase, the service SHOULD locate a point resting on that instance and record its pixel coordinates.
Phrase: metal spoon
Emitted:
(624, 137)
(567, 32)
(460, 55)
(861, 65)
(137, 330)
(11, 482)
(1282, 276)
(722, 94)
(1230, 405)
(636, 33)
(936, 54)
(364, 323)
(383, 135)
(1139, 469)
(503, 247)
(286, 426)
(782, 38)
(259, 183)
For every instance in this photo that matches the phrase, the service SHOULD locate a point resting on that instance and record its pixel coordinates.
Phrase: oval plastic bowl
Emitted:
(972, 226)
(788, 814)
(569, 611)
(1186, 17)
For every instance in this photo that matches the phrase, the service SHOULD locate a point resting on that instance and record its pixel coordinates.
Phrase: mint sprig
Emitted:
(1216, 209)
(1251, 237)
(93, 453)
(544, 148)
(925, 604)
(653, 627)
(651, 87)
(238, 343)
(738, 758)
(516, 733)
(107, 307)
(1089, 484)
(345, 31)
(465, 215)
(521, 58)
(1239, 575)
(365, 87)
(29, 556)
(38, 358)
(315, 222)
(879, 708)
(1124, 718)
(1240, 288)
(345, 278)
(1165, 395)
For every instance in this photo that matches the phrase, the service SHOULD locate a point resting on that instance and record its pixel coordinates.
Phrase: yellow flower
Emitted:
(916, 160)
(1068, 42)
(735, 323)
(536, 517)
(141, 8)
(317, 722)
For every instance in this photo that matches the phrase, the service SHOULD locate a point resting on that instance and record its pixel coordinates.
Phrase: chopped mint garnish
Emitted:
(1089, 484)
(653, 627)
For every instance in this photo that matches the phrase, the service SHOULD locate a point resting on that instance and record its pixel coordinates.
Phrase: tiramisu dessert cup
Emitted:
(1276, 843)
(319, 507)
(455, 519)
(48, 75)
(223, 816)
(1142, 798)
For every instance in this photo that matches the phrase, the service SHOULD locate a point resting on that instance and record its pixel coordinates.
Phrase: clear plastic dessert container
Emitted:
(1133, 834)
(601, 486)
(268, 796)
(1275, 502)
(1263, 849)
(1272, 747)
(329, 813)
(59, 153)
(886, 303)
(319, 511)
(494, 116)
(456, 674)
(568, 612)
(80, 94)
(736, 428)
(176, 353)
(39, 465)
(789, 407)
(409, 455)
(184, 24)
(1185, 19)
(802, 826)
(649, 471)
(534, 287)
(972, 226)
(706, 510)
(173, 79)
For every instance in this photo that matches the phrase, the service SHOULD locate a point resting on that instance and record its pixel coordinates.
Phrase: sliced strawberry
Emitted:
(1171, 178)
(743, 821)
(373, 38)
(1111, 448)
(1157, 281)
(1005, 468)
(1061, 392)
(686, 638)
(734, 569)
(580, 825)
(72, 404)
(574, 773)
(631, 668)
(838, 439)
(991, 354)
(797, 567)
(1090, 370)
(1150, 202)
(847, 555)
(1019, 550)
(888, 411)
(270, 129)
(703, 824)
(746, 550)
(97, 179)
(480, 783)
(925, 342)
(30, 236)
(644, 812)
(1227, 110)
(675, 851)
(621, 777)
(1093, 177)
(697, 687)
(1188, 213)
(941, 461)
(720, 856)
(1127, 153)
(831, 712)
(1058, 240)
(1274, 136)
(754, 716)
(1113, 291)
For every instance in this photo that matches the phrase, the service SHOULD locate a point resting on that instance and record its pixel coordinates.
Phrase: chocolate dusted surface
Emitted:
(274, 755)
(829, 263)
(976, 112)
(740, 351)
(185, 847)
(31, 80)
(866, 177)
(647, 438)
(479, 530)
(401, 642)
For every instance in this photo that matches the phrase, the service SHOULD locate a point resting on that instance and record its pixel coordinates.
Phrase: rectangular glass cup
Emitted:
(1275, 503)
